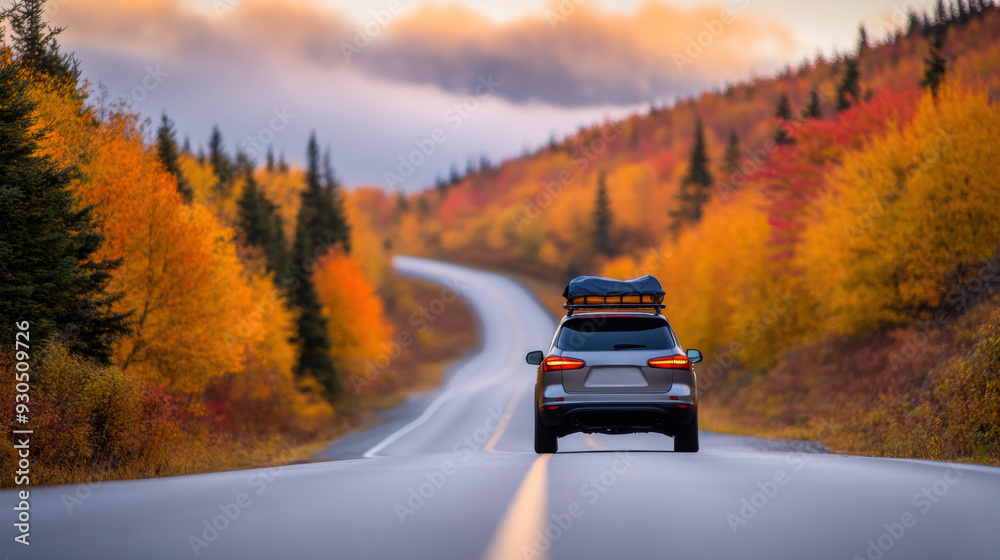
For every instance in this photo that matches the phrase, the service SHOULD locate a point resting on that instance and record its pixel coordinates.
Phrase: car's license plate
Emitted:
(615, 377)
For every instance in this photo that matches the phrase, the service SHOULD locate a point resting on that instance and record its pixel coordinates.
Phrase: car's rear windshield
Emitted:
(599, 333)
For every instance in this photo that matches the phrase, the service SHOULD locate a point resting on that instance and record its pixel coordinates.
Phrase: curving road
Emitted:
(452, 475)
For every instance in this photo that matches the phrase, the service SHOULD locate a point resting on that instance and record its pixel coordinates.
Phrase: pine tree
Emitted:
(862, 40)
(731, 161)
(695, 187)
(257, 217)
(217, 158)
(311, 328)
(849, 88)
(602, 219)
(251, 217)
(913, 22)
(336, 218)
(270, 159)
(48, 275)
(784, 114)
(940, 13)
(166, 149)
(321, 226)
(35, 41)
(814, 109)
(935, 65)
(322, 211)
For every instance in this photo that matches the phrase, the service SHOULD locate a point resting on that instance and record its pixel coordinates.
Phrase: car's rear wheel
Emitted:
(546, 440)
(686, 438)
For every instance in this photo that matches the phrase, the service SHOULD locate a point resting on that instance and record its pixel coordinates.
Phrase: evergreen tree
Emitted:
(602, 219)
(940, 13)
(48, 275)
(695, 187)
(935, 65)
(321, 226)
(166, 149)
(217, 158)
(731, 161)
(814, 109)
(251, 214)
(913, 22)
(849, 88)
(270, 160)
(257, 217)
(311, 335)
(862, 40)
(440, 185)
(336, 215)
(784, 114)
(35, 41)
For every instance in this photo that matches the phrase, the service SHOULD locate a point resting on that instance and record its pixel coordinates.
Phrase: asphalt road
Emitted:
(452, 475)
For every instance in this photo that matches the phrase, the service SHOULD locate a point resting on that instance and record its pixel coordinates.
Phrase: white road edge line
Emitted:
(373, 453)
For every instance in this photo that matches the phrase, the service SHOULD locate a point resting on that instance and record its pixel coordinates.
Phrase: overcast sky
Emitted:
(434, 83)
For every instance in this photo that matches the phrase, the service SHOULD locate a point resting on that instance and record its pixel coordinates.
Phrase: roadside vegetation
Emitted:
(188, 311)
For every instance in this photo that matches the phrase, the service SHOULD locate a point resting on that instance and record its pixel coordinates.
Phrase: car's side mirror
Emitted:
(534, 358)
(695, 356)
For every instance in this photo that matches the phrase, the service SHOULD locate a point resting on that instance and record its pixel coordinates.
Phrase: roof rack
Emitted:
(592, 293)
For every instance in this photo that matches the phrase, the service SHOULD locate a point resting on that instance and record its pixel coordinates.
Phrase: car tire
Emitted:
(546, 440)
(686, 438)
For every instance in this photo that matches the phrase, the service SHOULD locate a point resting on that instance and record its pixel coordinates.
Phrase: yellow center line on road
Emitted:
(505, 419)
(525, 515)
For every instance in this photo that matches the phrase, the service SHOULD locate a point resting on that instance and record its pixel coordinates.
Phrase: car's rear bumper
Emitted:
(617, 417)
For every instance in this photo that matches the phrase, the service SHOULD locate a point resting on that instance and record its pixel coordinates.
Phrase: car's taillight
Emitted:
(671, 362)
(555, 363)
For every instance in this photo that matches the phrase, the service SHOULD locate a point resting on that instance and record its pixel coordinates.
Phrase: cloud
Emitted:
(582, 56)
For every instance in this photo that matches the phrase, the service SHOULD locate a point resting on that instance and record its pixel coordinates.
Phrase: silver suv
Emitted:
(615, 367)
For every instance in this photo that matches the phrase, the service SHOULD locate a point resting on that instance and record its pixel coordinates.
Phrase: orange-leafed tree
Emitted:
(356, 322)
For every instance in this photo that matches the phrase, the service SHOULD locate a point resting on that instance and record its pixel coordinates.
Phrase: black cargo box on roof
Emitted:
(595, 292)
(600, 286)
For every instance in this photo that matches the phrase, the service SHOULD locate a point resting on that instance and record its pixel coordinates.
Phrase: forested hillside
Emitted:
(845, 199)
